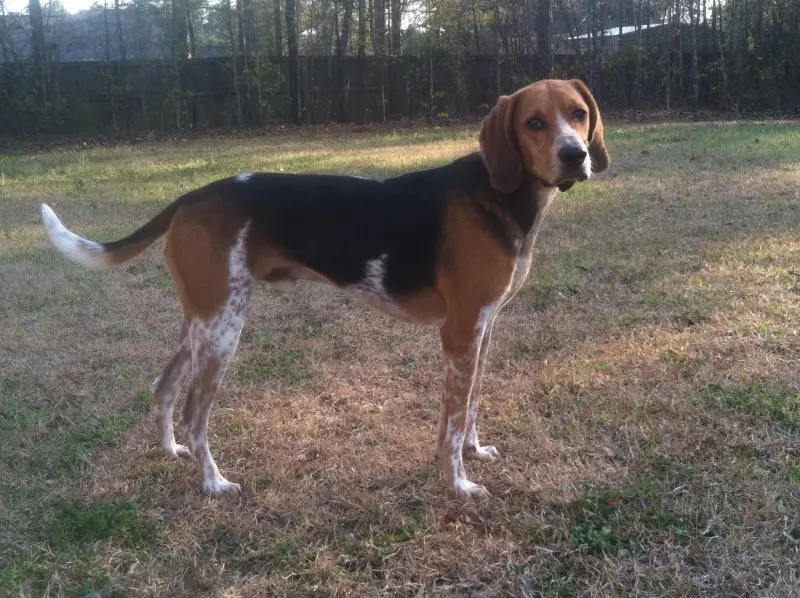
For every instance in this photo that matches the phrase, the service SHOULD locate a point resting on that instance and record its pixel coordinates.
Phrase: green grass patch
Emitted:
(68, 553)
(729, 147)
(71, 451)
(792, 474)
(288, 367)
(778, 406)
(606, 521)
(78, 524)
(259, 556)
(73, 576)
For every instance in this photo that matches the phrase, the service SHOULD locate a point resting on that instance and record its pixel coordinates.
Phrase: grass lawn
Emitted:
(643, 388)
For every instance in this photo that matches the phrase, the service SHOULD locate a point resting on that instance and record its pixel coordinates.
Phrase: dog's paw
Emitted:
(466, 490)
(220, 487)
(482, 453)
(179, 451)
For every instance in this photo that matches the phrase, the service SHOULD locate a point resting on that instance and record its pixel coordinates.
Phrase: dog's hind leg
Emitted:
(213, 344)
(165, 391)
(213, 338)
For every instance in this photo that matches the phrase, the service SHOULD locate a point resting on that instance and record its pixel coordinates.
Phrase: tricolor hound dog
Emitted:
(448, 246)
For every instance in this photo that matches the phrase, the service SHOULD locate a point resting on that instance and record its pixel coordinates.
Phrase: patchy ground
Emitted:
(643, 388)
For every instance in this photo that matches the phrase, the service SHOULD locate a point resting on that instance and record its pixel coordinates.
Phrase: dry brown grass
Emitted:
(643, 389)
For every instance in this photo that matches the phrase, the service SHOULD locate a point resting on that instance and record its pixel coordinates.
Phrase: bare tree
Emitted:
(396, 19)
(276, 23)
(637, 68)
(544, 39)
(379, 28)
(123, 52)
(362, 30)
(122, 72)
(38, 48)
(294, 67)
(232, 45)
(178, 32)
(342, 40)
(106, 34)
(5, 47)
(695, 17)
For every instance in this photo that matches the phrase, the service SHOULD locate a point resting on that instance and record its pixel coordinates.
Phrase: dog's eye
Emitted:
(579, 115)
(536, 124)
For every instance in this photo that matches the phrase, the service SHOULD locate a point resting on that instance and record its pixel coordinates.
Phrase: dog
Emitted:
(448, 246)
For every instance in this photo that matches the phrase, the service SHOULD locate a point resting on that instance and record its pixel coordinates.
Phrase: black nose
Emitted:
(572, 155)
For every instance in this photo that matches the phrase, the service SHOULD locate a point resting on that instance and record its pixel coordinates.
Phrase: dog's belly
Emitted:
(423, 305)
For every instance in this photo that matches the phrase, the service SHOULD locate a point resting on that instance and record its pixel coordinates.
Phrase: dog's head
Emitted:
(550, 129)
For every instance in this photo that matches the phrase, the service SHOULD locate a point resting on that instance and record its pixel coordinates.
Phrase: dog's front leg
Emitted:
(461, 342)
(473, 448)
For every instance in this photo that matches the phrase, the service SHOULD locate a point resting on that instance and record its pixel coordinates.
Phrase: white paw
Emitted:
(219, 487)
(466, 490)
(482, 453)
(178, 451)
(154, 386)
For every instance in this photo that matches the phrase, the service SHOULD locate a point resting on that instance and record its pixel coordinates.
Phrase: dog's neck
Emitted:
(512, 218)
(538, 196)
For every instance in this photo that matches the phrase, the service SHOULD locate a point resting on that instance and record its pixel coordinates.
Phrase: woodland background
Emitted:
(132, 66)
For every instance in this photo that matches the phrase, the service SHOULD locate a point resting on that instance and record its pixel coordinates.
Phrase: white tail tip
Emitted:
(77, 249)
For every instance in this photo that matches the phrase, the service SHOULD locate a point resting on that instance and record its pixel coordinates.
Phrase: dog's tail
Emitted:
(105, 255)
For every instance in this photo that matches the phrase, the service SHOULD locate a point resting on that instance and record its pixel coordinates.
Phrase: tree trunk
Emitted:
(106, 32)
(189, 32)
(234, 54)
(679, 45)
(4, 37)
(247, 24)
(637, 71)
(192, 55)
(476, 30)
(294, 67)
(38, 49)
(379, 28)
(109, 74)
(276, 22)
(544, 45)
(341, 48)
(122, 72)
(695, 71)
(242, 47)
(714, 22)
(668, 40)
(362, 60)
(396, 22)
(592, 46)
(362, 30)
(725, 99)
(179, 34)
(123, 53)
(572, 28)
(705, 27)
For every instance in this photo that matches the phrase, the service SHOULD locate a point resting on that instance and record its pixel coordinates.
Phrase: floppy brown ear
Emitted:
(597, 147)
(499, 146)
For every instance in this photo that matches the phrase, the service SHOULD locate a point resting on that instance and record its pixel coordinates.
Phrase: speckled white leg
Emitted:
(462, 360)
(165, 391)
(472, 448)
(213, 342)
